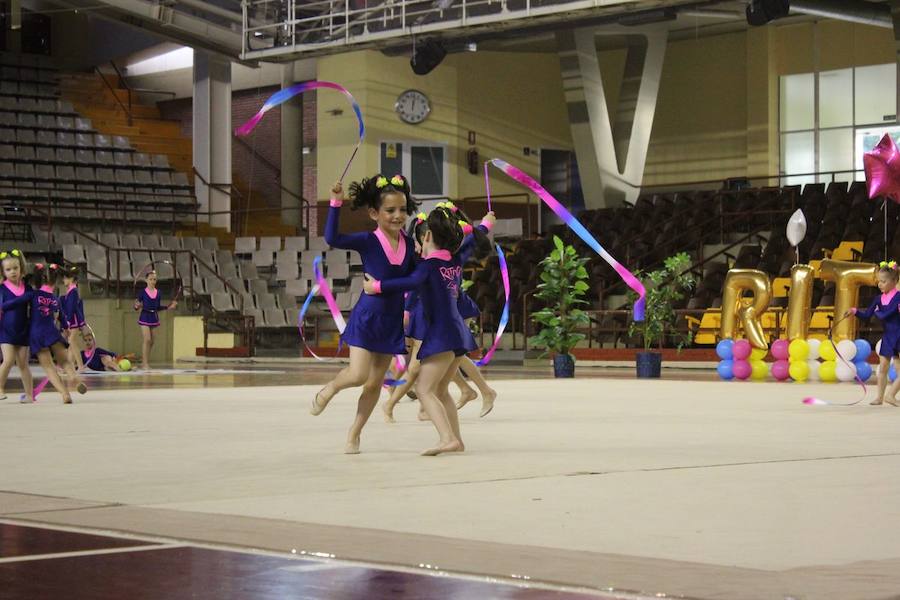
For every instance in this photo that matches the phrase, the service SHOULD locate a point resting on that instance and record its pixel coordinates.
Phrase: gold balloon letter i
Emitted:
(799, 301)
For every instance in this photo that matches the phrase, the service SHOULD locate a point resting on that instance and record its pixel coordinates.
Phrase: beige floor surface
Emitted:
(704, 489)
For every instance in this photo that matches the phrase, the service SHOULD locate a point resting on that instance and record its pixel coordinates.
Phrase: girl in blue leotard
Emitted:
(44, 339)
(374, 330)
(14, 323)
(72, 315)
(447, 339)
(885, 307)
(476, 243)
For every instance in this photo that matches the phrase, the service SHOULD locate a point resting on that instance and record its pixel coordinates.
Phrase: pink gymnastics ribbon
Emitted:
(287, 93)
(812, 401)
(323, 287)
(504, 316)
(576, 226)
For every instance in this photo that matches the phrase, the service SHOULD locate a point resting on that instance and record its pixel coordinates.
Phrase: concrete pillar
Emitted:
(611, 159)
(212, 135)
(291, 151)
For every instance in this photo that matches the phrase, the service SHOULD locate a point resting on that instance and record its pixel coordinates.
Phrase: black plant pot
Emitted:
(563, 365)
(649, 364)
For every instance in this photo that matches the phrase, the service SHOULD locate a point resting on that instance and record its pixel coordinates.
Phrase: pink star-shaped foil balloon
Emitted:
(882, 167)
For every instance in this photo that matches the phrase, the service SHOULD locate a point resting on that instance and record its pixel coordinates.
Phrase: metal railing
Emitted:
(112, 90)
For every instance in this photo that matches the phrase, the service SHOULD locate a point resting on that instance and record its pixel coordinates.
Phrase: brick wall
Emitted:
(263, 179)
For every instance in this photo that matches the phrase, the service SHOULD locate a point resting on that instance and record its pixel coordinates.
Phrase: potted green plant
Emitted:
(664, 287)
(563, 286)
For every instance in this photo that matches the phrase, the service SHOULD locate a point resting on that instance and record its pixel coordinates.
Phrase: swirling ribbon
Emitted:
(576, 226)
(813, 401)
(504, 316)
(321, 286)
(287, 93)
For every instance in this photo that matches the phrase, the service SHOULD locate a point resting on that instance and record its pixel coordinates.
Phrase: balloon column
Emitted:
(798, 360)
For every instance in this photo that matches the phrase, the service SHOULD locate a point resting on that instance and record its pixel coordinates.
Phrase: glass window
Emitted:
(866, 139)
(836, 98)
(798, 156)
(836, 153)
(875, 94)
(797, 108)
(427, 170)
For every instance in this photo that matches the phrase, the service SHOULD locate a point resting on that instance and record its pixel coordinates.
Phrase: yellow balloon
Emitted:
(760, 370)
(799, 370)
(757, 354)
(827, 370)
(826, 351)
(798, 350)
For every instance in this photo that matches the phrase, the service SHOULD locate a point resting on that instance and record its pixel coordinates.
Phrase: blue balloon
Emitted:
(725, 368)
(863, 350)
(723, 350)
(892, 373)
(863, 369)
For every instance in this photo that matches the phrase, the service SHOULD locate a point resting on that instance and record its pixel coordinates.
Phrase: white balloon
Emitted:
(845, 371)
(847, 349)
(813, 368)
(813, 348)
(878, 348)
(796, 228)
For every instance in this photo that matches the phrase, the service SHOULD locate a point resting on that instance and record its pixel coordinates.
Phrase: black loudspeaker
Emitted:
(760, 12)
(427, 56)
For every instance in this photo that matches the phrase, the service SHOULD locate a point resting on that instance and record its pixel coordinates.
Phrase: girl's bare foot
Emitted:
(67, 399)
(451, 446)
(388, 409)
(891, 401)
(317, 407)
(875, 402)
(145, 366)
(352, 447)
(423, 416)
(487, 402)
(23, 399)
(468, 394)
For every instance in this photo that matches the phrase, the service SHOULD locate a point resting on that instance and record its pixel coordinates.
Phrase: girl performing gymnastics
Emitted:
(72, 315)
(44, 338)
(100, 359)
(446, 338)
(150, 303)
(14, 323)
(885, 307)
(477, 243)
(374, 330)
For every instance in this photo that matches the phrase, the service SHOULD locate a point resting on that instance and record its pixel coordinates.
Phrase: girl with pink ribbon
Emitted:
(477, 243)
(885, 306)
(14, 323)
(446, 339)
(374, 331)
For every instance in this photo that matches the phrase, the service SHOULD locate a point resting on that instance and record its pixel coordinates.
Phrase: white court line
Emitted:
(98, 552)
(325, 561)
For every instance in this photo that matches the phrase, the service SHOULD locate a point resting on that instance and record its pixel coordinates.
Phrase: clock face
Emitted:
(413, 106)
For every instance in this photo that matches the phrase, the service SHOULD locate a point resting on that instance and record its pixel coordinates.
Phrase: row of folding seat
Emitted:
(83, 156)
(88, 175)
(28, 73)
(37, 61)
(66, 139)
(50, 106)
(32, 120)
(24, 88)
(247, 245)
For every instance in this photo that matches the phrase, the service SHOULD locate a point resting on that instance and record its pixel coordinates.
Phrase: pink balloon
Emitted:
(741, 350)
(780, 349)
(781, 368)
(882, 166)
(742, 368)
